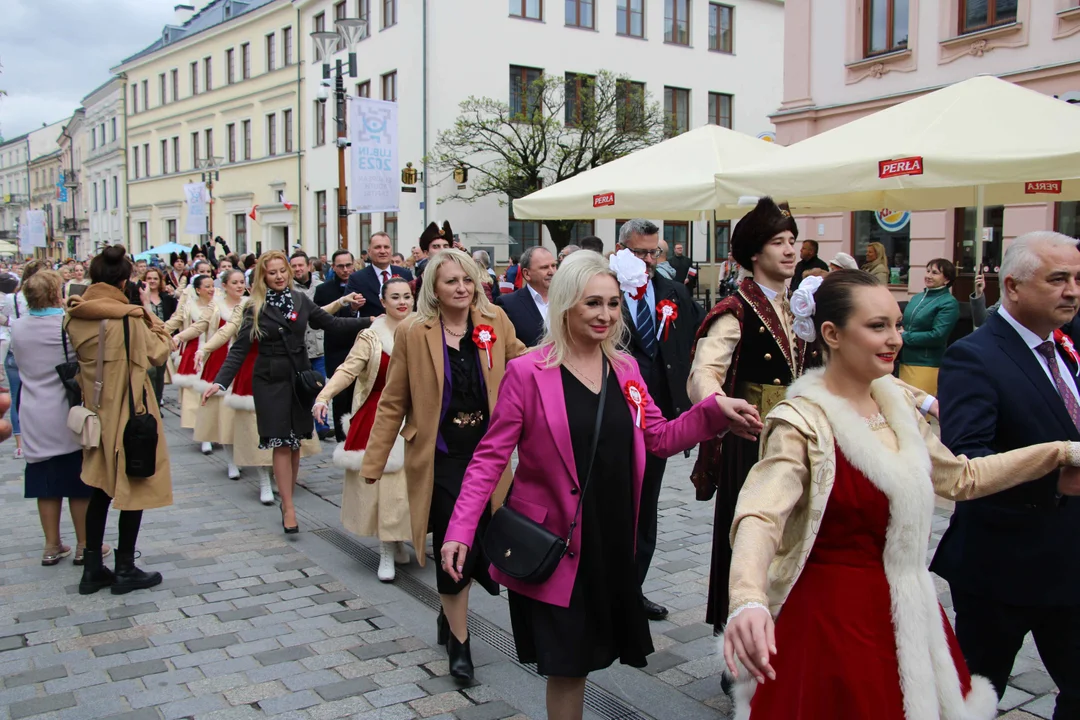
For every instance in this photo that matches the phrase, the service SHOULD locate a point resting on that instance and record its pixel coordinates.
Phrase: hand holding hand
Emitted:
(210, 392)
(175, 343)
(744, 417)
(453, 559)
(320, 412)
(751, 635)
(200, 358)
(355, 300)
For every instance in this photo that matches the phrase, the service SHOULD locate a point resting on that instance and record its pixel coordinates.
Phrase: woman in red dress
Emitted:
(833, 612)
(187, 374)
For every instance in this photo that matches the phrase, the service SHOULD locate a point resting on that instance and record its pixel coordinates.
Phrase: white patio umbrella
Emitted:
(981, 141)
(672, 180)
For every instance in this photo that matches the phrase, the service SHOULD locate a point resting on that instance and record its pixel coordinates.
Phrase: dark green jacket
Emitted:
(929, 320)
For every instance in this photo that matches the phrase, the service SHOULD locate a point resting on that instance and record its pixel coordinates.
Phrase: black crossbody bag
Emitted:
(521, 548)
(69, 374)
(307, 384)
(141, 431)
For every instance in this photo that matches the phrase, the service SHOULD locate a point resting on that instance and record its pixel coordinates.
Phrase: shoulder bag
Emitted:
(522, 548)
(81, 420)
(69, 372)
(141, 431)
(307, 384)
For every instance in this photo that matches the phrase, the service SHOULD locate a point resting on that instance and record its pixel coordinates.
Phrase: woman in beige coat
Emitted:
(103, 309)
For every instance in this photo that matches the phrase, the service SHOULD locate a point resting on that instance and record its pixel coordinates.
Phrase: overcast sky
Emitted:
(54, 52)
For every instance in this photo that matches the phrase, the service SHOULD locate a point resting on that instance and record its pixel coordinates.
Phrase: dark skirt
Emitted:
(737, 458)
(57, 477)
(476, 563)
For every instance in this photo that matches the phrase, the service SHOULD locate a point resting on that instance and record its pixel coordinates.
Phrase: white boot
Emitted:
(266, 492)
(386, 562)
(234, 472)
(401, 553)
(207, 448)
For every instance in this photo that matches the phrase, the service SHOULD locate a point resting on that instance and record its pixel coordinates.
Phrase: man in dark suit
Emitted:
(369, 281)
(665, 366)
(527, 307)
(808, 260)
(1012, 559)
(337, 343)
(685, 270)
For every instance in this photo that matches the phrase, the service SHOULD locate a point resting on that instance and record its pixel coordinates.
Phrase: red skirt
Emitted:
(215, 361)
(242, 382)
(187, 359)
(361, 423)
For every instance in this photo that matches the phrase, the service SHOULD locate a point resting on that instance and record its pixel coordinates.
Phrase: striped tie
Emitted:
(646, 327)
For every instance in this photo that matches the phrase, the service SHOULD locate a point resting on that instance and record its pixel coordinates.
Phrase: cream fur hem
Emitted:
(240, 402)
(354, 459)
(184, 381)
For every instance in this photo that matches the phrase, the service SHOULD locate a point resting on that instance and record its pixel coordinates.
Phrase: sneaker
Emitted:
(18, 453)
(207, 448)
(387, 571)
(401, 553)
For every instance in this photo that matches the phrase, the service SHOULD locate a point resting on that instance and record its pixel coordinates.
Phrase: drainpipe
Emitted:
(301, 106)
(424, 110)
(127, 190)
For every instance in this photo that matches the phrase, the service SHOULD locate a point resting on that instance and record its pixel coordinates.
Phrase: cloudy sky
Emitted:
(54, 52)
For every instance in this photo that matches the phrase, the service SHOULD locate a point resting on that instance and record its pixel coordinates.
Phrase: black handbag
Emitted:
(68, 372)
(141, 431)
(521, 548)
(307, 384)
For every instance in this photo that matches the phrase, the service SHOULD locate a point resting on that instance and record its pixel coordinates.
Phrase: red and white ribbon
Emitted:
(484, 337)
(1067, 345)
(667, 312)
(635, 393)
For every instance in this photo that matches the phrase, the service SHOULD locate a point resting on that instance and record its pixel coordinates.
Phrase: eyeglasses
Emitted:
(345, 266)
(654, 253)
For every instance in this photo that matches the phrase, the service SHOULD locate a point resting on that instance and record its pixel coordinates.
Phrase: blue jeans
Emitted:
(16, 384)
(318, 365)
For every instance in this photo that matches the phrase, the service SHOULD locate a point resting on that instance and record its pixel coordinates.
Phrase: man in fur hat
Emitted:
(177, 278)
(432, 240)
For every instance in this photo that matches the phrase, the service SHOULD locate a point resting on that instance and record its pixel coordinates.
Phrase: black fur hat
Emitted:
(432, 232)
(173, 257)
(757, 227)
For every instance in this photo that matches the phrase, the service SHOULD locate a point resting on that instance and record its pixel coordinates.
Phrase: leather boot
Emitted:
(95, 575)
(461, 666)
(129, 577)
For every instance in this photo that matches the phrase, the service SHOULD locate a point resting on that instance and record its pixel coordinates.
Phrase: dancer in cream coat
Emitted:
(186, 375)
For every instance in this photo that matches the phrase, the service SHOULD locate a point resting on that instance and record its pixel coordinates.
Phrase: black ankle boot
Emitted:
(444, 628)
(461, 667)
(129, 577)
(95, 576)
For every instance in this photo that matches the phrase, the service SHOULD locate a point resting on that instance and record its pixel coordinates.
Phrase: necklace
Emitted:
(593, 385)
(455, 334)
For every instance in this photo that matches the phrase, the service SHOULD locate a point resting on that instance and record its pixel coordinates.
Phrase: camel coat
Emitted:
(413, 393)
(103, 466)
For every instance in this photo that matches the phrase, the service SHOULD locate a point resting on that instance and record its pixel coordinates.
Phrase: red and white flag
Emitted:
(252, 213)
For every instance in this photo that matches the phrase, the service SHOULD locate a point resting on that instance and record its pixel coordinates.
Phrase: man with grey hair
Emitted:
(566, 251)
(482, 259)
(663, 356)
(1012, 559)
(527, 307)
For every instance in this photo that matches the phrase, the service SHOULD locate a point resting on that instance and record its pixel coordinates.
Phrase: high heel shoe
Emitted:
(444, 627)
(288, 530)
(461, 664)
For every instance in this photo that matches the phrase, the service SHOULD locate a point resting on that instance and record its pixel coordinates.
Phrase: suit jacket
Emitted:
(1019, 546)
(669, 370)
(531, 416)
(522, 311)
(366, 282)
(336, 342)
(682, 265)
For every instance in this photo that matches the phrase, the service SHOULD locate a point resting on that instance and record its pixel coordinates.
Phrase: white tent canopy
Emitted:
(673, 180)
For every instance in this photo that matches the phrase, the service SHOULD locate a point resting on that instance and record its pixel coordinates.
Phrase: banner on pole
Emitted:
(196, 196)
(32, 231)
(61, 189)
(373, 156)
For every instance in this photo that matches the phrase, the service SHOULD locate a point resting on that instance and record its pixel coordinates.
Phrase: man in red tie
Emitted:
(369, 281)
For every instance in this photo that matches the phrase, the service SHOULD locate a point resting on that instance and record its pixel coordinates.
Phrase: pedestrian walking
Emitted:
(186, 376)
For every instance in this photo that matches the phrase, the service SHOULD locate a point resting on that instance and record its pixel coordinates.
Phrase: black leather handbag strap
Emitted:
(127, 351)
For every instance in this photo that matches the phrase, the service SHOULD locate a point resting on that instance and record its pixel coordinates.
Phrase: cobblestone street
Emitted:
(248, 624)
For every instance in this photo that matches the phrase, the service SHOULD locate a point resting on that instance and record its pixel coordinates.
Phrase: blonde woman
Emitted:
(877, 262)
(380, 510)
(186, 375)
(443, 381)
(276, 319)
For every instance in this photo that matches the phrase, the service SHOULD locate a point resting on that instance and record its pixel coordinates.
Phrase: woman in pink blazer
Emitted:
(589, 612)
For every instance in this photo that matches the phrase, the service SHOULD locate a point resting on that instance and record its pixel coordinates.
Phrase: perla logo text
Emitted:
(900, 166)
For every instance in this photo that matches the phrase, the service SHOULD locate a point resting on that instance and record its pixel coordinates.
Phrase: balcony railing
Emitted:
(14, 199)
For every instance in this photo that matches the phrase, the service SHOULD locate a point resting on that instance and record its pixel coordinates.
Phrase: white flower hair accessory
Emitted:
(803, 307)
(630, 270)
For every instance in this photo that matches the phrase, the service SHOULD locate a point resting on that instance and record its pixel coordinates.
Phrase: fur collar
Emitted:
(385, 335)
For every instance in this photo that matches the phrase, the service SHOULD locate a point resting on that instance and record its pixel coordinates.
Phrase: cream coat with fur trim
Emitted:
(784, 498)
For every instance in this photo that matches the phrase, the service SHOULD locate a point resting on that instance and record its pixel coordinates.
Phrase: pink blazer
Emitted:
(531, 415)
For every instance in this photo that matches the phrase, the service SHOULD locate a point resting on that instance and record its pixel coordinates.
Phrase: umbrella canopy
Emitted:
(982, 136)
(167, 248)
(672, 180)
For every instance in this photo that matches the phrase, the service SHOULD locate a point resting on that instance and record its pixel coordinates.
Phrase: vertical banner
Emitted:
(32, 231)
(373, 157)
(195, 194)
(61, 190)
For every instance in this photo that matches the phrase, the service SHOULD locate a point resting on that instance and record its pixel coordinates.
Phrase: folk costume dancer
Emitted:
(186, 375)
(380, 510)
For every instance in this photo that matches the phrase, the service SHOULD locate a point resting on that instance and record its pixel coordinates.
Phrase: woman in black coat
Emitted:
(275, 321)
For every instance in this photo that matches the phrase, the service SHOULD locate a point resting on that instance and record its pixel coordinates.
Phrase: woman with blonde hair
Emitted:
(443, 381)
(276, 318)
(877, 262)
(582, 397)
(15, 307)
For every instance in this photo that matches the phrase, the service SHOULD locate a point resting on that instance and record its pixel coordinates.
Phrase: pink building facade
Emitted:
(848, 58)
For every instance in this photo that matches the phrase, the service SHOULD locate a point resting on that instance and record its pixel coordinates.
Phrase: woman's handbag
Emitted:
(307, 384)
(522, 548)
(81, 420)
(141, 431)
(68, 372)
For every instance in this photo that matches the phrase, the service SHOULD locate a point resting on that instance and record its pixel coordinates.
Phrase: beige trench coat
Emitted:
(103, 467)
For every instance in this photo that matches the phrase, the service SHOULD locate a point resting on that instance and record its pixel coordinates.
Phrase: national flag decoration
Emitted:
(252, 213)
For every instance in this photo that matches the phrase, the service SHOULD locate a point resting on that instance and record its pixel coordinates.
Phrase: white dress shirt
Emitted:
(1033, 341)
(379, 275)
(541, 303)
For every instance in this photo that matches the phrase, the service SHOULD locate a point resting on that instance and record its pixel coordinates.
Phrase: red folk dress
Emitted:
(364, 418)
(836, 644)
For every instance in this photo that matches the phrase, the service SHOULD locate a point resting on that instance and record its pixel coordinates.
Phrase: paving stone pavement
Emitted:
(251, 624)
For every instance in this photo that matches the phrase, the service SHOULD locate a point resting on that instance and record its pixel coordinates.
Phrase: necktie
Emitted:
(1048, 352)
(385, 276)
(646, 326)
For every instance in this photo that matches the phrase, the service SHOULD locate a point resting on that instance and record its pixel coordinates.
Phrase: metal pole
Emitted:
(980, 210)
(343, 206)
(210, 211)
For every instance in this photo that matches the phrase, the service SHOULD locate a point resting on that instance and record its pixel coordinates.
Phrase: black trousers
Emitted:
(648, 513)
(342, 402)
(991, 634)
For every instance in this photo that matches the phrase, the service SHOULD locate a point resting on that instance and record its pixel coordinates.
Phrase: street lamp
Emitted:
(349, 32)
(210, 175)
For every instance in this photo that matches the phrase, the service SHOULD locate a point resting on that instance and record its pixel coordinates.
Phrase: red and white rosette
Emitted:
(667, 312)
(483, 337)
(1067, 345)
(635, 393)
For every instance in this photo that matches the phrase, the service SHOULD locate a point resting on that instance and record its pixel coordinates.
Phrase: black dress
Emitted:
(606, 619)
(468, 398)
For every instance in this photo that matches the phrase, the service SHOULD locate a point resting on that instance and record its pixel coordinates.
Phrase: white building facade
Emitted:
(14, 184)
(704, 61)
(104, 172)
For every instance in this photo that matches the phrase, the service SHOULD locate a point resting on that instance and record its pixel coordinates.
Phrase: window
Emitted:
(209, 135)
(194, 78)
(677, 22)
(286, 40)
(271, 134)
(676, 232)
(208, 74)
(95, 197)
(245, 61)
(389, 87)
(885, 26)
(721, 241)
(993, 224)
(363, 11)
(112, 135)
(194, 150)
(230, 69)
(165, 158)
(576, 98)
(363, 89)
(530, 9)
(365, 229)
(582, 229)
(524, 98)
(720, 109)
(271, 51)
(319, 25)
(240, 233)
(320, 220)
(286, 129)
(868, 229)
(93, 141)
(579, 13)
(176, 154)
(721, 27)
(136, 154)
(339, 10)
(390, 223)
(981, 14)
(146, 157)
(170, 230)
(389, 13)
(320, 123)
(630, 105)
(146, 94)
(144, 236)
(677, 109)
(1068, 218)
(162, 98)
(230, 139)
(134, 99)
(174, 80)
(527, 233)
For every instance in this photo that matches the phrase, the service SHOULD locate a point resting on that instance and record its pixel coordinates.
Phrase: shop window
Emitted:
(582, 229)
(893, 230)
(721, 241)
(1068, 219)
(676, 232)
(993, 223)
(527, 233)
